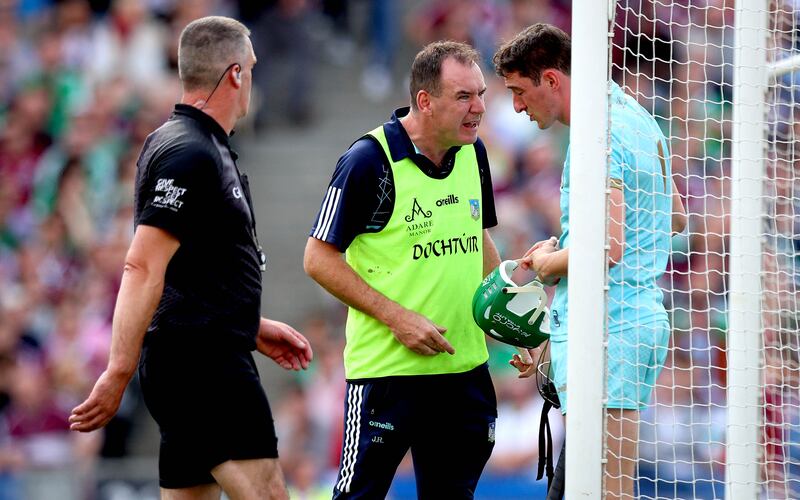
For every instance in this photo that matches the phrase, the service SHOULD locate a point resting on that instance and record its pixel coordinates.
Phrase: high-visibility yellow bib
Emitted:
(428, 258)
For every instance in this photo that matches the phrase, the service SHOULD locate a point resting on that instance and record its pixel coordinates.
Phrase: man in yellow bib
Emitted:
(408, 205)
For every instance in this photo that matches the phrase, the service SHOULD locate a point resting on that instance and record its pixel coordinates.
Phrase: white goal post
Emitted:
(588, 145)
(744, 326)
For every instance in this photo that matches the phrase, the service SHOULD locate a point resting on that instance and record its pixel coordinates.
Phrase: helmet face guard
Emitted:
(515, 315)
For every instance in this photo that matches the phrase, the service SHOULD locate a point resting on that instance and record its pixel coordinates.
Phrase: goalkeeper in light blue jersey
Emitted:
(644, 210)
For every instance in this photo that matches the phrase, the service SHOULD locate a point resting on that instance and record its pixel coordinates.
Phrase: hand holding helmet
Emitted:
(534, 254)
(515, 315)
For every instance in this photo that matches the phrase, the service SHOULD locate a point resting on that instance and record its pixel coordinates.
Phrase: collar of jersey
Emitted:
(205, 121)
(401, 147)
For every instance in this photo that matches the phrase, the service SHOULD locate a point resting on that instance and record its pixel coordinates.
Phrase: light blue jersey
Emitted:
(640, 160)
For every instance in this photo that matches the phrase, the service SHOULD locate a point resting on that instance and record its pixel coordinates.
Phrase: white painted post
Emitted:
(587, 242)
(747, 174)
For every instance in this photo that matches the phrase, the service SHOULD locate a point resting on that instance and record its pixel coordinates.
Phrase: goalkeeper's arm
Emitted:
(550, 264)
(678, 211)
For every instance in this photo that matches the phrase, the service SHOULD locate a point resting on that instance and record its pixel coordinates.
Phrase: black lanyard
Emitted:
(262, 257)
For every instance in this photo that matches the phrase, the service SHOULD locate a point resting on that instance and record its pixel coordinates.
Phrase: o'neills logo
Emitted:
(450, 200)
(450, 246)
(382, 425)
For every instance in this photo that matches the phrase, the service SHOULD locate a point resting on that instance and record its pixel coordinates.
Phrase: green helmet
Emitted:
(512, 314)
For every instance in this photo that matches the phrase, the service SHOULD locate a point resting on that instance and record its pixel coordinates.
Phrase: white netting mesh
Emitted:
(781, 276)
(676, 59)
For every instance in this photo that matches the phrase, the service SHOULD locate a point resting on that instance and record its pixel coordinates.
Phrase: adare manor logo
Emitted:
(419, 221)
(417, 210)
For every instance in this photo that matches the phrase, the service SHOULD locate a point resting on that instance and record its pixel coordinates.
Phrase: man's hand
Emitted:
(538, 249)
(419, 334)
(533, 260)
(101, 405)
(527, 365)
(283, 344)
(539, 244)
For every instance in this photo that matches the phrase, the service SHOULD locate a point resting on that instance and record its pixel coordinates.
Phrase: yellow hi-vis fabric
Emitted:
(429, 259)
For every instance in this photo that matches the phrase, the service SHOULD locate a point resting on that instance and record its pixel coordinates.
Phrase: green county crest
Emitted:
(475, 209)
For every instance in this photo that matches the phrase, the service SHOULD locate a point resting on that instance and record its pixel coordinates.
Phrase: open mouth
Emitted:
(471, 125)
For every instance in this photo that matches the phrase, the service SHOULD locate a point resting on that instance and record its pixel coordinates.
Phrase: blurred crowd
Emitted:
(81, 85)
(82, 82)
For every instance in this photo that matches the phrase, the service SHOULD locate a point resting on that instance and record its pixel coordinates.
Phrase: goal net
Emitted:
(720, 79)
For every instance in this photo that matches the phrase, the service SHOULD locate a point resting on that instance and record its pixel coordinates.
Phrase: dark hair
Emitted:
(533, 50)
(208, 45)
(426, 70)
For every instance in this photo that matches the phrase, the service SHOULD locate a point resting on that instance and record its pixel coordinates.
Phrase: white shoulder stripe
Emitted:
(333, 213)
(322, 212)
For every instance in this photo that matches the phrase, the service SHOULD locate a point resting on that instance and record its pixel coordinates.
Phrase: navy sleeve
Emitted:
(352, 197)
(487, 193)
(178, 189)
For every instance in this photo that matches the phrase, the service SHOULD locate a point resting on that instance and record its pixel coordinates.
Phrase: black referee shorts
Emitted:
(447, 421)
(207, 399)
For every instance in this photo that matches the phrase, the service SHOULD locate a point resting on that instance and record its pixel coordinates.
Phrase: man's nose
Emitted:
(519, 105)
(478, 106)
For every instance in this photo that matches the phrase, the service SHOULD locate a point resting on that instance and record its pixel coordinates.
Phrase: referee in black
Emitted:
(190, 297)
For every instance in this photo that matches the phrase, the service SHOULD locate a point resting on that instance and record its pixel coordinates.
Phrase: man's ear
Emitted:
(424, 101)
(236, 71)
(551, 79)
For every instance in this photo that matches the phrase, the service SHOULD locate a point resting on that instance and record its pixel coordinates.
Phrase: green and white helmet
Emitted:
(512, 314)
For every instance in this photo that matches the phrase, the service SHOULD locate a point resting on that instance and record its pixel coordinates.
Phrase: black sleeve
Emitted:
(178, 189)
(487, 192)
(354, 196)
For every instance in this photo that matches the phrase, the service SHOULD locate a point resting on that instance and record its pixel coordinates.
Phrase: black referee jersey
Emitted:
(188, 184)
